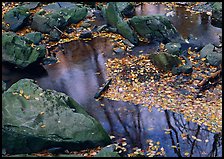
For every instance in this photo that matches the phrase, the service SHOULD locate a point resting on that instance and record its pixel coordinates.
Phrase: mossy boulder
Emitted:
(165, 61)
(114, 18)
(47, 19)
(57, 16)
(155, 28)
(16, 18)
(18, 50)
(34, 119)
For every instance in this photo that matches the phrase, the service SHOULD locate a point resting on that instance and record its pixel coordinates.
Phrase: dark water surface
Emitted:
(82, 71)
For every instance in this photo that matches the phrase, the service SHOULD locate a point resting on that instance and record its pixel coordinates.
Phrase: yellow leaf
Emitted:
(21, 91)
(186, 153)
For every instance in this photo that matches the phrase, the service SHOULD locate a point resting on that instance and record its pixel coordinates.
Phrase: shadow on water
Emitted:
(81, 71)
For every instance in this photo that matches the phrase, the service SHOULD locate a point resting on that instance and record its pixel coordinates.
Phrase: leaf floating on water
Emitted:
(173, 146)
(194, 137)
(186, 153)
(199, 140)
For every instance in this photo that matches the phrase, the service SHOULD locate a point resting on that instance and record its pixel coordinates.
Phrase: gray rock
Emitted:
(173, 48)
(108, 151)
(155, 28)
(18, 50)
(165, 61)
(206, 49)
(16, 18)
(214, 59)
(34, 119)
(35, 37)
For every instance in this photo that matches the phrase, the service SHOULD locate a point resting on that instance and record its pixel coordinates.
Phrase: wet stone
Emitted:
(16, 18)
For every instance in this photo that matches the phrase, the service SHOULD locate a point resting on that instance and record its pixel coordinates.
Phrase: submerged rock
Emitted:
(34, 119)
(16, 18)
(18, 50)
(35, 37)
(155, 28)
(165, 61)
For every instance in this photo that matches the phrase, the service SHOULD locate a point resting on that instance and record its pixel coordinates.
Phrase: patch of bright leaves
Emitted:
(135, 79)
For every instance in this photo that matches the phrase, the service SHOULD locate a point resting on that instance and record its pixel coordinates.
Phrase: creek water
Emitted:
(81, 71)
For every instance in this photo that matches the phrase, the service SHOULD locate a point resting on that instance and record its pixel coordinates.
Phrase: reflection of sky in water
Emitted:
(76, 76)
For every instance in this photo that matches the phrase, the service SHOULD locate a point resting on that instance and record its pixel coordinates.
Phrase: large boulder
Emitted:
(16, 18)
(165, 61)
(18, 50)
(217, 14)
(155, 27)
(34, 119)
(114, 18)
(58, 16)
(125, 30)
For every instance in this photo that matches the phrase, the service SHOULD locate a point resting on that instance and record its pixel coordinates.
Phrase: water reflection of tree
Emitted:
(179, 125)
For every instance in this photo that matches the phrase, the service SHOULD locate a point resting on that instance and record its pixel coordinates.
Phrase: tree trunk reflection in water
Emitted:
(197, 147)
